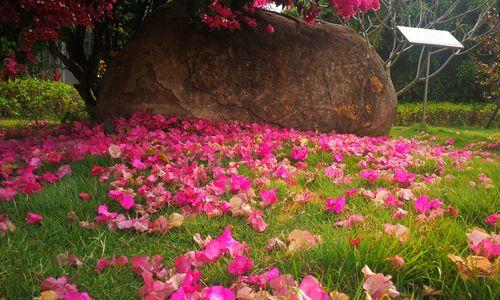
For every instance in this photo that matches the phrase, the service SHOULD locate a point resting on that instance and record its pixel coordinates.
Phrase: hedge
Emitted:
(446, 114)
(36, 99)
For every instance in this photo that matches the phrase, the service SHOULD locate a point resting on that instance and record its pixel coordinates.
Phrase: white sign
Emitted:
(430, 37)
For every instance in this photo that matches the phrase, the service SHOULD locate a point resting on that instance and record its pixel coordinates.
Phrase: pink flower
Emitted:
(313, 289)
(104, 215)
(218, 293)
(449, 141)
(268, 197)
(33, 218)
(60, 286)
(403, 178)
(299, 153)
(370, 175)
(422, 204)
(378, 285)
(84, 196)
(7, 194)
(256, 221)
(355, 242)
(239, 183)
(97, 170)
(103, 264)
(337, 205)
(493, 219)
(485, 180)
(77, 296)
(399, 213)
(240, 265)
(350, 192)
(126, 202)
(347, 223)
(391, 201)
(63, 171)
(397, 261)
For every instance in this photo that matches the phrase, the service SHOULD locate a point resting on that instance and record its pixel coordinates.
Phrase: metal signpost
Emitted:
(429, 38)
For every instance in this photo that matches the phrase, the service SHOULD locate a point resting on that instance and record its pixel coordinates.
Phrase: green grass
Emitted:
(27, 255)
(461, 135)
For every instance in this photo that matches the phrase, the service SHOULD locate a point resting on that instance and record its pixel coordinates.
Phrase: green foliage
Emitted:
(445, 114)
(35, 99)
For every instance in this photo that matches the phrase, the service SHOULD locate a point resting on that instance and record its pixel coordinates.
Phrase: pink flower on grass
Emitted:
(350, 192)
(493, 219)
(311, 287)
(218, 293)
(348, 223)
(378, 285)
(84, 196)
(256, 221)
(423, 205)
(399, 213)
(337, 205)
(126, 202)
(240, 265)
(369, 175)
(268, 197)
(103, 263)
(403, 178)
(33, 218)
(299, 153)
(397, 261)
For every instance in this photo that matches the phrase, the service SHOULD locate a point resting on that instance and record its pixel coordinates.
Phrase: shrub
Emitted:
(445, 114)
(36, 99)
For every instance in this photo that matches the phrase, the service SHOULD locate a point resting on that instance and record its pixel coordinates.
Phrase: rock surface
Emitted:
(311, 77)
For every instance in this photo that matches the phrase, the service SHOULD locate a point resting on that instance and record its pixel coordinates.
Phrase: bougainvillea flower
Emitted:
(268, 197)
(399, 213)
(484, 244)
(302, 240)
(493, 219)
(400, 232)
(485, 180)
(273, 242)
(59, 286)
(218, 293)
(299, 153)
(6, 225)
(32, 218)
(335, 204)
(378, 286)
(103, 263)
(350, 192)
(70, 259)
(355, 242)
(423, 205)
(348, 223)
(103, 215)
(256, 221)
(84, 196)
(403, 178)
(370, 175)
(312, 289)
(397, 261)
(240, 265)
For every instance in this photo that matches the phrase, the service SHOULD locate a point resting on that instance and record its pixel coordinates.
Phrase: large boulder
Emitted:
(319, 77)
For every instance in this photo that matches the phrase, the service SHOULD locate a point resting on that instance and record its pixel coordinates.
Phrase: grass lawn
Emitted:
(28, 254)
